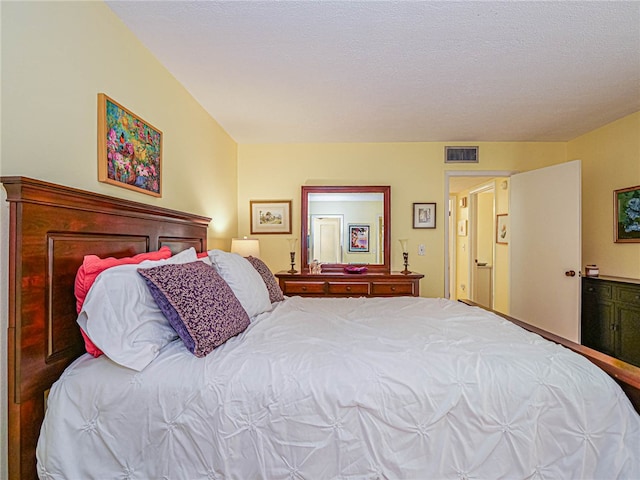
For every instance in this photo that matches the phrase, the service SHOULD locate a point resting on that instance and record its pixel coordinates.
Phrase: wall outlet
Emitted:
(421, 249)
(463, 287)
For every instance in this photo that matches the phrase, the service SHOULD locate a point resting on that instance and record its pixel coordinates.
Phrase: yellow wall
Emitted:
(501, 260)
(56, 58)
(610, 161)
(415, 172)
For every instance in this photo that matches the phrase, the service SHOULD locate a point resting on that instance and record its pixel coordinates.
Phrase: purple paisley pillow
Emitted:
(275, 293)
(198, 303)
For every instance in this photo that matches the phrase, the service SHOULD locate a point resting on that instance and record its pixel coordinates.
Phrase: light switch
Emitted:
(421, 249)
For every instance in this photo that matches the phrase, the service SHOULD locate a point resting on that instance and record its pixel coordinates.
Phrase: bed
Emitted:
(311, 388)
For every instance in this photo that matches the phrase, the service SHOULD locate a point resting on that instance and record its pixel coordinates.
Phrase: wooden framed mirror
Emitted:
(344, 225)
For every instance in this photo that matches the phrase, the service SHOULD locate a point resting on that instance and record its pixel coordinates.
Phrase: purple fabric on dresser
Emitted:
(198, 303)
(275, 293)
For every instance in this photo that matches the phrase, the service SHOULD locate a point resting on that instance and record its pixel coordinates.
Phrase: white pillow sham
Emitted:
(121, 317)
(244, 280)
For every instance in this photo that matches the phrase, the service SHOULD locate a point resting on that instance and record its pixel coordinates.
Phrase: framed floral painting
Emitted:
(129, 149)
(627, 215)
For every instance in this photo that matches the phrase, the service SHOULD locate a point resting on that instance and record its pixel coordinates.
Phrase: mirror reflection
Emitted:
(345, 226)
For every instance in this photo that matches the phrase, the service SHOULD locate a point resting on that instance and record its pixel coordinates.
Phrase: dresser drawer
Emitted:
(338, 284)
(349, 288)
(293, 288)
(628, 295)
(396, 288)
(602, 290)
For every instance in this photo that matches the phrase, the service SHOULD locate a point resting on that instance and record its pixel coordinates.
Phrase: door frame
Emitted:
(462, 173)
(473, 238)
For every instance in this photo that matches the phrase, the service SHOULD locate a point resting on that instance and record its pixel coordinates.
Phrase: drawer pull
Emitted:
(591, 289)
(348, 289)
(393, 289)
(304, 289)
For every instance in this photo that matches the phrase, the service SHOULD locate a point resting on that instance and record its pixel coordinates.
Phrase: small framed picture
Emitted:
(460, 154)
(627, 215)
(270, 216)
(358, 238)
(424, 215)
(502, 228)
(462, 228)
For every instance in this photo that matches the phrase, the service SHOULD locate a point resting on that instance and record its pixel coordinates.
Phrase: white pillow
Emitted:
(121, 317)
(244, 280)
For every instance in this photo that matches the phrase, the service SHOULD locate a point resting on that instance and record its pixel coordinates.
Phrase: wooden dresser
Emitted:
(339, 284)
(611, 316)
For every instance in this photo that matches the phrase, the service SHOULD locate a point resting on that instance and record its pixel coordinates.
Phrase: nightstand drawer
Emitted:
(293, 288)
(349, 288)
(381, 288)
(628, 295)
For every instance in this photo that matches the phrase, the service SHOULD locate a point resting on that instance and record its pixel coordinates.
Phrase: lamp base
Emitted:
(293, 262)
(405, 256)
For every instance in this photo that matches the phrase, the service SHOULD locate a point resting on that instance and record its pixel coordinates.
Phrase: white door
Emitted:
(326, 234)
(546, 247)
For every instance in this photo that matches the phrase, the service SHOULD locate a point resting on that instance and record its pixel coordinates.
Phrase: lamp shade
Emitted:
(246, 247)
(404, 243)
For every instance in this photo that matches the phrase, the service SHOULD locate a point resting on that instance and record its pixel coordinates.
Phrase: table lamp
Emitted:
(246, 247)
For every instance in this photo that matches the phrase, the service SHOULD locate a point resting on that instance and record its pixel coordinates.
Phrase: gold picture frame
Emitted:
(270, 216)
(129, 149)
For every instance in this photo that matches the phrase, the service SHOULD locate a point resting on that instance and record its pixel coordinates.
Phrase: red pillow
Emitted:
(91, 267)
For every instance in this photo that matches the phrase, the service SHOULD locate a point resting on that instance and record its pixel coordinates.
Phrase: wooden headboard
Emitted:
(51, 229)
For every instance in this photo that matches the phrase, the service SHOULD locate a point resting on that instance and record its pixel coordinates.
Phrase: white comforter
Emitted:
(397, 388)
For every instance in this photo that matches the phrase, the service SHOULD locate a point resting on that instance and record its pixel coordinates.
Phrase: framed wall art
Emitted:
(270, 216)
(358, 238)
(627, 215)
(424, 215)
(502, 228)
(462, 228)
(129, 149)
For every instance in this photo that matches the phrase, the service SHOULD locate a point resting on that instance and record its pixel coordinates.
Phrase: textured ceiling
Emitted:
(398, 71)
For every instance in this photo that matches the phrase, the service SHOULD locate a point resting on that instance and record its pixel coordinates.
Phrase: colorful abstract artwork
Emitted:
(129, 149)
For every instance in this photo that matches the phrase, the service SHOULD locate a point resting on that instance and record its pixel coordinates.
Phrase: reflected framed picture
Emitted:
(502, 228)
(424, 215)
(129, 149)
(358, 238)
(627, 215)
(270, 216)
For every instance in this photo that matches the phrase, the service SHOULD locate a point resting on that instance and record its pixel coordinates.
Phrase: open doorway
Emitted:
(475, 269)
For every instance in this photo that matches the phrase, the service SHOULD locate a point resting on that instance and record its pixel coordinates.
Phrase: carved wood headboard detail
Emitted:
(51, 229)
